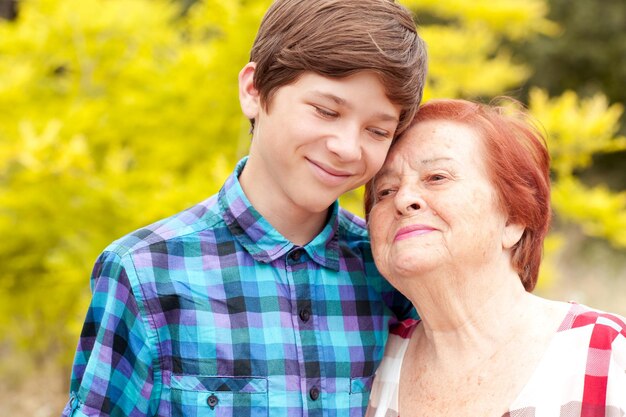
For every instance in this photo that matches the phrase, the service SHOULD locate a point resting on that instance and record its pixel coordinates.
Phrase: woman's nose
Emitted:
(409, 200)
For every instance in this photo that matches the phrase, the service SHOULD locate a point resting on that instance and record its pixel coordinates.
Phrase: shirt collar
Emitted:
(263, 242)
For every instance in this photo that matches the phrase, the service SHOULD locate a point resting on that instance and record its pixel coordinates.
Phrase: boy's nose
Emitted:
(346, 145)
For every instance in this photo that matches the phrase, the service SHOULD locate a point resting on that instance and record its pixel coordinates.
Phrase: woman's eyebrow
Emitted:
(383, 173)
(433, 160)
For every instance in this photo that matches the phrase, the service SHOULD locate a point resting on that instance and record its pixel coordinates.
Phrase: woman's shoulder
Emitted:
(603, 333)
(581, 315)
(606, 356)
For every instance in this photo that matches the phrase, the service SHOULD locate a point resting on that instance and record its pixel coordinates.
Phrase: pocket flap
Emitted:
(219, 383)
(361, 385)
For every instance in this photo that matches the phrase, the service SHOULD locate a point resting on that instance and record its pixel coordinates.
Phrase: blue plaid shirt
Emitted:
(212, 312)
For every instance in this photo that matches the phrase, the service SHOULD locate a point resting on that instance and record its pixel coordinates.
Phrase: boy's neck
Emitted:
(298, 225)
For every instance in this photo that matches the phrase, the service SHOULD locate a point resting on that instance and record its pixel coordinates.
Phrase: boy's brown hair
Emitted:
(337, 38)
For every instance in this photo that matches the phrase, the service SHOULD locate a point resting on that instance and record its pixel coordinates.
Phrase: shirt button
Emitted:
(305, 314)
(212, 401)
(296, 255)
(314, 393)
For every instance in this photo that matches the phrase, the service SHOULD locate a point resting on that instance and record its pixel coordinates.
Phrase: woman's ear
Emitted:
(249, 98)
(512, 234)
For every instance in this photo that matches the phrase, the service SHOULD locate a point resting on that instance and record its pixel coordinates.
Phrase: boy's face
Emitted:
(318, 137)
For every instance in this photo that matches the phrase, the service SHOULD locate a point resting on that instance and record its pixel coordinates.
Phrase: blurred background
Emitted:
(116, 113)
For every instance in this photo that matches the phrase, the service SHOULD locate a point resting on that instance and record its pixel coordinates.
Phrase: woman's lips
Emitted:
(413, 230)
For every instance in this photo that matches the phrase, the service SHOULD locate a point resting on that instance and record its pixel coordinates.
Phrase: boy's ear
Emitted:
(249, 98)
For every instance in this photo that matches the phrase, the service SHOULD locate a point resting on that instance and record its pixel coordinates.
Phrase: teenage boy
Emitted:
(263, 300)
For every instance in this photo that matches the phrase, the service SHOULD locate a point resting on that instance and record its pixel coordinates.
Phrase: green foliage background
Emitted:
(114, 114)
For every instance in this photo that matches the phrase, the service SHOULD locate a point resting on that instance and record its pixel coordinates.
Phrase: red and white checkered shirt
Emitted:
(582, 373)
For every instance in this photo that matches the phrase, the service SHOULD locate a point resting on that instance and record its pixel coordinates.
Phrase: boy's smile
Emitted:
(316, 139)
(329, 175)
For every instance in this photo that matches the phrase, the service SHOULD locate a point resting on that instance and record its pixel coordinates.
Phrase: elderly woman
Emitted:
(457, 218)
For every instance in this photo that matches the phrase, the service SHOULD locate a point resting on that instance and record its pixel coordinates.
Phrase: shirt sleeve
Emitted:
(400, 306)
(616, 381)
(112, 374)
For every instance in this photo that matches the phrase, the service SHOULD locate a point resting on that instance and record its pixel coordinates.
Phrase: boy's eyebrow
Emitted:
(343, 102)
(333, 97)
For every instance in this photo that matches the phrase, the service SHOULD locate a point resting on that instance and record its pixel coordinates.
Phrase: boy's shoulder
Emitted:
(351, 227)
(206, 219)
(193, 220)
(353, 235)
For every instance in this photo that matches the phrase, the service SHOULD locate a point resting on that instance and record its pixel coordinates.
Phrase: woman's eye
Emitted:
(437, 177)
(329, 114)
(385, 192)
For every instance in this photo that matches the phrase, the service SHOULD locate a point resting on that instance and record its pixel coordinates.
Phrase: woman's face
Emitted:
(435, 204)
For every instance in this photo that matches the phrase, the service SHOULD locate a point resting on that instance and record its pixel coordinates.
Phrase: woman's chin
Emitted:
(413, 266)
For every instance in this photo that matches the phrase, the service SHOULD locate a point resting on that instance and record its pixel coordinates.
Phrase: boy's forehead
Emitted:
(332, 86)
(348, 91)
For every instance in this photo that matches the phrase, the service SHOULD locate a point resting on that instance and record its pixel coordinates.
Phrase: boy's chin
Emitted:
(316, 203)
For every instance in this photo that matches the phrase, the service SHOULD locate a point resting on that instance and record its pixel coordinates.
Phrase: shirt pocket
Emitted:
(219, 396)
(360, 389)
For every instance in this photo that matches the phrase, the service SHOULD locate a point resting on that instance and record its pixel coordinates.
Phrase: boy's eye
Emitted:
(327, 113)
(380, 132)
